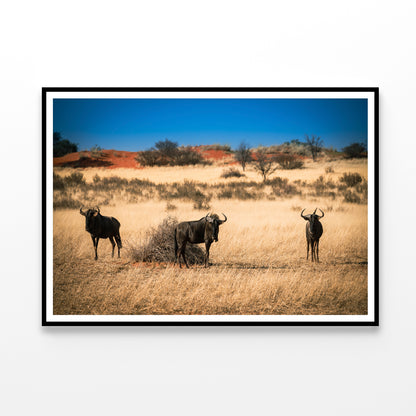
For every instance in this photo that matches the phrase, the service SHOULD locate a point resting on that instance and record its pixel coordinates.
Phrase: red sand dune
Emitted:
(121, 159)
(109, 159)
(211, 154)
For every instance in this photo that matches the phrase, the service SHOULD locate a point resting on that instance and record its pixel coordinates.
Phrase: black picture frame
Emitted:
(46, 321)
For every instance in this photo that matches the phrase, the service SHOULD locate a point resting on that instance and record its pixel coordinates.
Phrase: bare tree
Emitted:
(263, 164)
(243, 155)
(315, 145)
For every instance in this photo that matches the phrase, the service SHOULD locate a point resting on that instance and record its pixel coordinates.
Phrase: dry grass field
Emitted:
(210, 174)
(258, 266)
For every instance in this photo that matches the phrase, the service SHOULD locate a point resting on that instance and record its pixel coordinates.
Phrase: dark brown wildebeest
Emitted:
(100, 226)
(314, 231)
(203, 231)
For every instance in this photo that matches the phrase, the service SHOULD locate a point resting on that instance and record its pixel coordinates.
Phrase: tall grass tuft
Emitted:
(232, 173)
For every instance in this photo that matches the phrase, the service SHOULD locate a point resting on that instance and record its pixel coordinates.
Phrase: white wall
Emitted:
(204, 371)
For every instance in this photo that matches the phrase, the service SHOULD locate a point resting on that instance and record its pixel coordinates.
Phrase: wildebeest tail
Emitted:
(118, 240)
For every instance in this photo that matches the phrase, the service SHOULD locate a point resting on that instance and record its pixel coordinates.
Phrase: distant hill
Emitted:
(114, 159)
(218, 154)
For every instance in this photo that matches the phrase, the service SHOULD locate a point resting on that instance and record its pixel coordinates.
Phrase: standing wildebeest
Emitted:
(102, 227)
(203, 231)
(314, 231)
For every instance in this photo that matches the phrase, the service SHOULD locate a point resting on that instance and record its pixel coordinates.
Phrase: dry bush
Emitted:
(170, 154)
(158, 245)
(188, 156)
(282, 188)
(58, 182)
(96, 152)
(216, 146)
(323, 188)
(65, 200)
(232, 173)
(148, 158)
(351, 197)
(188, 191)
(170, 207)
(351, 179)
(288, 161)
(240, 190)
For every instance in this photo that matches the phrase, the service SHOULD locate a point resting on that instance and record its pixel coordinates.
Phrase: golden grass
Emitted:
(212, 174)
(258, 264)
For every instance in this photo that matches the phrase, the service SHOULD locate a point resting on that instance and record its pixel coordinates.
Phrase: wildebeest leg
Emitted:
(313, 245)
(183, 247)
(113, 244)
(307, 249)
(317, 251)
(178, 255)
(95, 241)
(119, 245)
(207, 247)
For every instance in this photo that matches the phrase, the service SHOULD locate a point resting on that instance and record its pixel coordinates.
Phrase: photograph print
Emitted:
(210, 206)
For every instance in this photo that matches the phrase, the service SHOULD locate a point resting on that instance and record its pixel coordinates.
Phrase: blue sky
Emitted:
(136, 124)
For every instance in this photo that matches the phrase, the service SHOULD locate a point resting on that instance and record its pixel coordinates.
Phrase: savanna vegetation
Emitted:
(62, 146)
(167, 152)
(259, 263)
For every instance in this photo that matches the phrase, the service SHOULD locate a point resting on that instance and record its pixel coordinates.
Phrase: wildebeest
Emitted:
(203, 231)
(314, 231)
(100, 226)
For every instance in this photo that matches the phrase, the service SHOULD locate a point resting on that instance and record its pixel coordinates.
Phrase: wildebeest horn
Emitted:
(322, 213)
(97, 208)
(306, 217)
(224, 219)
(82, 212)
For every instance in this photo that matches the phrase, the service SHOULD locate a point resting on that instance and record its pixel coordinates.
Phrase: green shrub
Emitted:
(167, 153)
(355, 150)
(61, 146)
(148, 158)
(186, 156)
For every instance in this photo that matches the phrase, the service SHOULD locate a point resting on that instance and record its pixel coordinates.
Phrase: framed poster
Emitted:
(210, 206)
